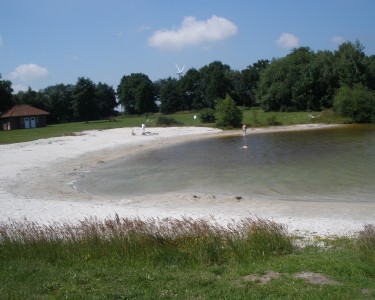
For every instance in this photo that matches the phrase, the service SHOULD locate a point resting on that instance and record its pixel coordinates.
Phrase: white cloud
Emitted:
(287, 40)
(337, 40)
(193, 32)
(19, 87)
(28, 73)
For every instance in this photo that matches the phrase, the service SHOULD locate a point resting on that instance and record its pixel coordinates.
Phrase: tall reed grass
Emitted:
(168, 241)
(184, 241)
(366, 243)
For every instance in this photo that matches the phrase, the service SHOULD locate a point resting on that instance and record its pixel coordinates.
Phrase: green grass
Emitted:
(179, 259)
(56, 130)
(252, 117)
(259, 118)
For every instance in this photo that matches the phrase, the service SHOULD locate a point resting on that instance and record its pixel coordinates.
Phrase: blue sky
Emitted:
(47, 42)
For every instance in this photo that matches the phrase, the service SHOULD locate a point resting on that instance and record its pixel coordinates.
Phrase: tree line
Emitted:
(303, 80)
(65, 102)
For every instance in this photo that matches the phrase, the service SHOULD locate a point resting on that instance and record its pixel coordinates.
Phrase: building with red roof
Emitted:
(23, 117)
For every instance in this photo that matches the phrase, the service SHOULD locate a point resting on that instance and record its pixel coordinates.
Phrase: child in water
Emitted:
(244, 128)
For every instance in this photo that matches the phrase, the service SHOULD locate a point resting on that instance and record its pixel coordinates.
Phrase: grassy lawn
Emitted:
(25, 135)
(252, 117)
(125, 259)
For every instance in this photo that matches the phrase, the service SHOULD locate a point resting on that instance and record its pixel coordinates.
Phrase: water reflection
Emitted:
(335, 164)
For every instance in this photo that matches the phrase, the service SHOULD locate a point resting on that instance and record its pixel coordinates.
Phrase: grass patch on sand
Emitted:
(121, 258)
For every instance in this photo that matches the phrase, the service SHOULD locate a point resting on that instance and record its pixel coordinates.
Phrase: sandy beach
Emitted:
(35, 184)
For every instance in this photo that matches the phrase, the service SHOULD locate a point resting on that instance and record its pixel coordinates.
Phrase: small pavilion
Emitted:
(23, 117)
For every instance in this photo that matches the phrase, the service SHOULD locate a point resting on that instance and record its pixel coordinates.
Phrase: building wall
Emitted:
(18, 122)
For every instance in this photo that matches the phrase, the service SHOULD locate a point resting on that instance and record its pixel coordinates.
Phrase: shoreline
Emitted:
(34, 185)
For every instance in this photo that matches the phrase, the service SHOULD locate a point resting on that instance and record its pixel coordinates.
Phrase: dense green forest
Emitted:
(303, 80)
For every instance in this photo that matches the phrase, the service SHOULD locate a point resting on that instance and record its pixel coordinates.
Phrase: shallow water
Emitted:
(335, 164)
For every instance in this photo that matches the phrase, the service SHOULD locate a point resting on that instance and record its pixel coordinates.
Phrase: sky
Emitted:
(48, 42)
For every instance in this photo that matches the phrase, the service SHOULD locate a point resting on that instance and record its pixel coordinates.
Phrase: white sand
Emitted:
(34, 184)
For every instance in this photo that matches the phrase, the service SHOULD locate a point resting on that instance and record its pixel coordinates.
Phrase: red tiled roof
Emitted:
(24, 110)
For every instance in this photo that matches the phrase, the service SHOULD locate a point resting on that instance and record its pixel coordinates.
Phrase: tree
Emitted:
(323, 81)
(6, 98)
(32, 98)
(107, 102)
(300, 78)
(237, 91)
(227, 113)
(287, 84)
(137, 94)
(170, 96)
(350, 64)
(190, 87)
(250, 80)
(357, 103)
(370, 63)
(58, 100)
(274, 91)
(215, 83)
(85, 104)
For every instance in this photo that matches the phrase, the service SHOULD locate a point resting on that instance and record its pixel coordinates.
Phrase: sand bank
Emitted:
(35, 183)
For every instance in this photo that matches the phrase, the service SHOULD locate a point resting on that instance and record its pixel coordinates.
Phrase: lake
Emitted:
(332, 164)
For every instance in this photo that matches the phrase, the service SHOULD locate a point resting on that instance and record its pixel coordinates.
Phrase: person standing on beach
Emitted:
(143, 129)
(244, 128)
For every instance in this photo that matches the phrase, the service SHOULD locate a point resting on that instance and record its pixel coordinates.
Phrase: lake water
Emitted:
(334, 164)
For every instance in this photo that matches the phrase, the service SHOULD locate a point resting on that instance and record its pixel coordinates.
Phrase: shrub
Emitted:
(227, 113)
(357, 103)
(207, 115)
(165, 121)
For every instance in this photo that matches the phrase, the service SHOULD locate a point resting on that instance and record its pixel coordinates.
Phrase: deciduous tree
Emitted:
(350, 64)
(59, 99)
(136, 93)
(170, 96)
(190, 87)
(250, 80)
(107, 102)
(215, 83)
(6, 98)
(85, 104)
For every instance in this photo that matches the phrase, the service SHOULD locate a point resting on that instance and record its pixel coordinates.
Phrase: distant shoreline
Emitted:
(35, 184)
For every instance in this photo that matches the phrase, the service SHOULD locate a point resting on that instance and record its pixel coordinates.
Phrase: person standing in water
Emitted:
(244, 128)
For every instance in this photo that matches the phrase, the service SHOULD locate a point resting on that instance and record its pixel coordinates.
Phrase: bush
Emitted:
(357, 103)
(165, 121)
(227, 113)
(207, 115)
